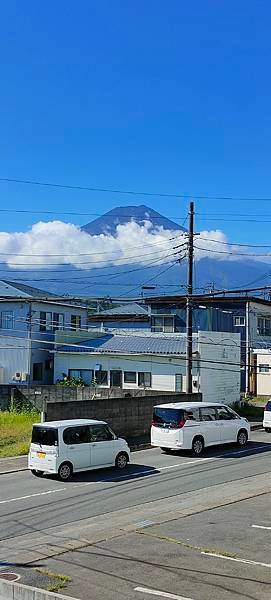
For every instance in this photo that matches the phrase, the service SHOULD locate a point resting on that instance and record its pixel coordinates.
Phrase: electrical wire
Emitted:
(129, 192)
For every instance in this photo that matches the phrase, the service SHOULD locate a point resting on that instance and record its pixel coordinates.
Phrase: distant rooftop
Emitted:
(132, 308)
(20, 290)
(129, 344)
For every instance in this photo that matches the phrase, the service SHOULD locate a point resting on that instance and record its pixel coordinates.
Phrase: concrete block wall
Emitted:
(129, 417)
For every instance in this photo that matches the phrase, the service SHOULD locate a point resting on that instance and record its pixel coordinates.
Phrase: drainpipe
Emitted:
(247, 348)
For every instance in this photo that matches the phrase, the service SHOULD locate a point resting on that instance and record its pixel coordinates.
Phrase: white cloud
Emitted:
(55, 242)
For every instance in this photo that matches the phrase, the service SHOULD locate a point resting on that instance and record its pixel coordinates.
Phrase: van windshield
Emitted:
(170, 417)
(44, 436)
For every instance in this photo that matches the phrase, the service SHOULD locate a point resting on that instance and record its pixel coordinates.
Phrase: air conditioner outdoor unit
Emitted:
(17, 376)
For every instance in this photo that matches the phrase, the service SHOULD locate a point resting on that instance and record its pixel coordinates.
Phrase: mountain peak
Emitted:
(124, 214)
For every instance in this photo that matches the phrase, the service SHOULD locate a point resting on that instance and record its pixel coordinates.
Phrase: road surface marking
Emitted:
(241, 560)
(156, 470)
(158, 593)
(32, 496)
(130, 476)
(260, 527)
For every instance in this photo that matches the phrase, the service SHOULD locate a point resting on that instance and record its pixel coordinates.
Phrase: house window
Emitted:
(58, 321)
(264, 326)
(178, 382)
(101, 377)
(264, 368)
(76, 322)
(129, 377)
(144, 379)
(37, 371)
(239, 321)
(165, 324)
(86, 375)
(45, 321)
(7, 319)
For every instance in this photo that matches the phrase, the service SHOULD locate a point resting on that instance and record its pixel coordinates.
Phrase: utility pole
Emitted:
(189, 307)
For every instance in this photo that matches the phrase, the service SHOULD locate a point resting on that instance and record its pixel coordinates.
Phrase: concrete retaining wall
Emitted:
(129, 417)
(18, 591)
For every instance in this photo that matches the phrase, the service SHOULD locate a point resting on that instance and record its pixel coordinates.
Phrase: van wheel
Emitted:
(121, 460)
(37, 473)
(242, 437)
(197, 446)
(166, 450)
(65, 471)
(268, 429)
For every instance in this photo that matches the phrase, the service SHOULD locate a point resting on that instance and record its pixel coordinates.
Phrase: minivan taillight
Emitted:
(181, 423)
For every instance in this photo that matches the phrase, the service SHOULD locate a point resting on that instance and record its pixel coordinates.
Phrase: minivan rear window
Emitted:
(170, 417)
(44, 436)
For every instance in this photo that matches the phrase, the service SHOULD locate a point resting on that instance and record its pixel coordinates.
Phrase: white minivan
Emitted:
(67, 447)
(196, 425)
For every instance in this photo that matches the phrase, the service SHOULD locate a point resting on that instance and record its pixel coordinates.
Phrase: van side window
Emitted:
(76, 435)
(223, 414)
(100, 433)
(208, 413)
(192, 414)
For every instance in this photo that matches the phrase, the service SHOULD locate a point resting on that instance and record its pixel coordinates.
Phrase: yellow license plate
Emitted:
(41, 454)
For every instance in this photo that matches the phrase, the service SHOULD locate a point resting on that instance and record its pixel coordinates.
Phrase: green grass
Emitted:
(15, 432)
(59, 581)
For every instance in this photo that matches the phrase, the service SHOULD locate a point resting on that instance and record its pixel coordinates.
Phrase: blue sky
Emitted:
(156, 96)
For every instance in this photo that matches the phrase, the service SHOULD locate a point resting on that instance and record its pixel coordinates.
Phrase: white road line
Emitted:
(156, 470)
(33, 496)
(158, 593)
(241, 560)
(260, 527)
(131, 476)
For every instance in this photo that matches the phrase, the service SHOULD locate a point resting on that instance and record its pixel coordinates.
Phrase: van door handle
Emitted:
(71, 447)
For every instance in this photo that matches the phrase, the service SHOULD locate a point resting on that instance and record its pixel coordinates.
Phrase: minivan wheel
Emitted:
(121, 460)
(65, 471)
(268, 429)
(197, 446)
(37, 473)
(242, 437)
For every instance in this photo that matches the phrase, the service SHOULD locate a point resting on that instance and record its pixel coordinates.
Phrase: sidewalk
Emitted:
(19, 463)
(12, 465)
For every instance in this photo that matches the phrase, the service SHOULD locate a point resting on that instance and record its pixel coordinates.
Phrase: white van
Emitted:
(67, 447)
(196, 425)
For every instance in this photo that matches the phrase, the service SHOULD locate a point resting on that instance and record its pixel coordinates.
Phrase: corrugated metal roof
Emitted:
(125, 309)
(132, 344)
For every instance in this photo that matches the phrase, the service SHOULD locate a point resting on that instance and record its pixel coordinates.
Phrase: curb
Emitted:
(18, 591)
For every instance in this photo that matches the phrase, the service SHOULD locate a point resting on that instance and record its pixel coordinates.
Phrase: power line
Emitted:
(235, 243)
(129, 192)
(232, 253)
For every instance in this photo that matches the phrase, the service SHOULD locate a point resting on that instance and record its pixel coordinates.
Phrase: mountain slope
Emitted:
(123, 214)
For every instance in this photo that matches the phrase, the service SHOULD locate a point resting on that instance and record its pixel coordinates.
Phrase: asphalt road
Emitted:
(43, 518)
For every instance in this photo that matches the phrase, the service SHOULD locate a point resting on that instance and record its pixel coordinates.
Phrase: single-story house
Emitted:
(155, 362)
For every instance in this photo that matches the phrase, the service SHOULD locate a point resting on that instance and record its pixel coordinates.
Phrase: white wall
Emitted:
(14, 357)
(219, 366)
(264, 379)
(163, 369)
